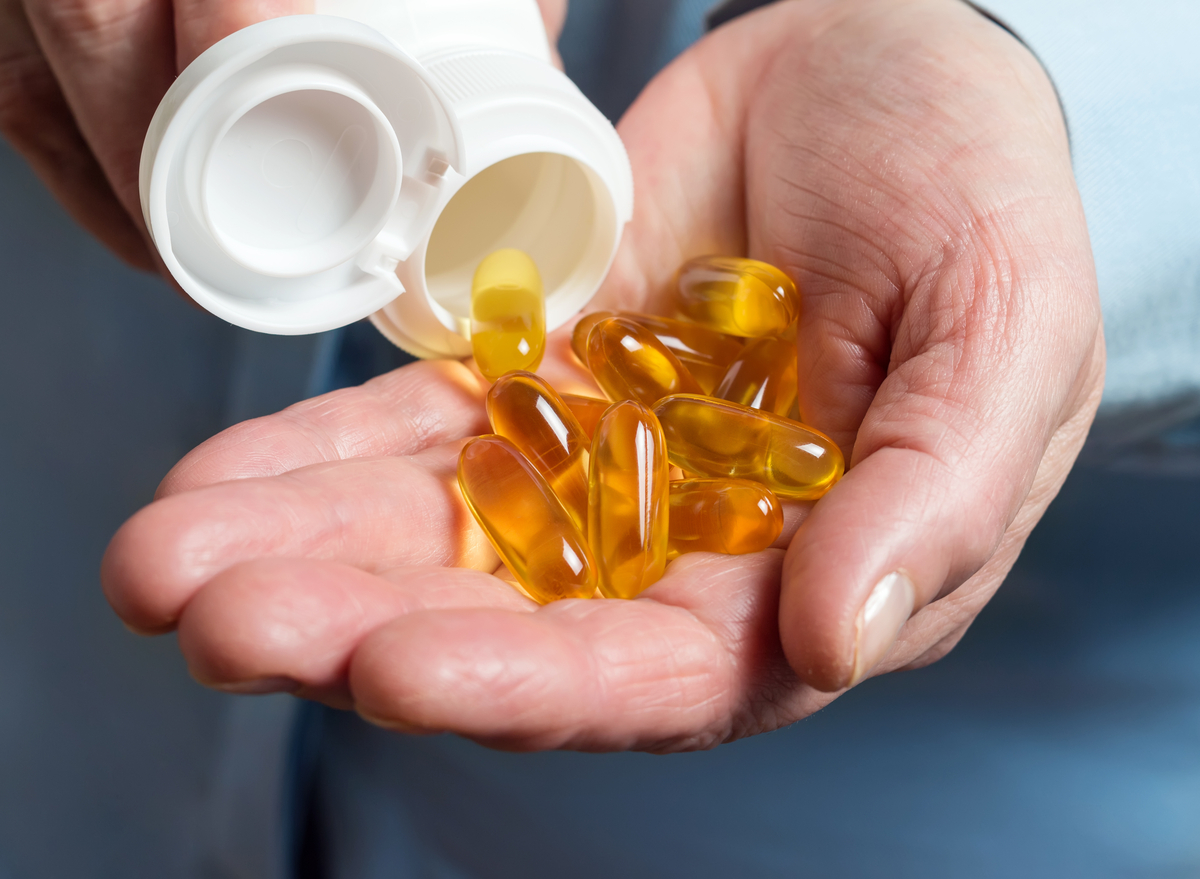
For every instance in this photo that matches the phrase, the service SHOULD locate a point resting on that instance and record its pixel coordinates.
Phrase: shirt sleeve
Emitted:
(1129, 83)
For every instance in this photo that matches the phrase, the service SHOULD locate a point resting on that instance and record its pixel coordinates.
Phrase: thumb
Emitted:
(201, 23)
(963, 447)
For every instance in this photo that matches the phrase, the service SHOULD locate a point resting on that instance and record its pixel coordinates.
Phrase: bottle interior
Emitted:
(550, 206)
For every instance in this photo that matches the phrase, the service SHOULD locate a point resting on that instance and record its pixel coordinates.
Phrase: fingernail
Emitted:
(884, 613)
(260, 686)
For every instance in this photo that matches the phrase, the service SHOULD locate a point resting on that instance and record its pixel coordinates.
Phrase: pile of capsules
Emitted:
(575, 493)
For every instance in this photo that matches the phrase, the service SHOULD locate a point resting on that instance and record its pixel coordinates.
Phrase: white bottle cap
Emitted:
(307, 172)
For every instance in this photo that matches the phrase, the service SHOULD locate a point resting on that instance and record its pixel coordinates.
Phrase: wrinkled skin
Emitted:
(906, 162)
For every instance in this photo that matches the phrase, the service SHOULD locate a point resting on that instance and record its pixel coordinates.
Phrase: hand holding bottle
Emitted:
(80, 81)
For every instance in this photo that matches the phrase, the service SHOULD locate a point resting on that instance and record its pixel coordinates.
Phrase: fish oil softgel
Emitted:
(527, 524)
(732, 516)
(763, 376)
(529, 413)
(742, 297)
(583, 329)
(575, 492)
(705, 353)
(508, 314)
(628, 500)
(712, 437)
(629, 363)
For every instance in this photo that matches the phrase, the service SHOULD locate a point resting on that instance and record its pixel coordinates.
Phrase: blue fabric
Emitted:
(113, 762)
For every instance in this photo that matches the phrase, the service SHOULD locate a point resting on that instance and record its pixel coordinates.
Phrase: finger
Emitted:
(400, 413)
(36, 120)
(374, 513)
(201, 23)
(794, 514)
(938, 483)
(292, 625)
(114, 60)
(937, 628)
(554, 16)
(274, 625)
(688, 665)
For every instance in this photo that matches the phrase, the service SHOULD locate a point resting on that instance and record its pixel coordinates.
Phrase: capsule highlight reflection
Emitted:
(629, 363)
(508, 314)
(525, 410)
(527, 524)
(742, 297)
(628, 500)
(732, 516)
(763, 377)
(712, 437)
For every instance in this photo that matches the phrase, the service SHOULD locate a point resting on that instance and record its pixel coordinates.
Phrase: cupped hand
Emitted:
(906, 162)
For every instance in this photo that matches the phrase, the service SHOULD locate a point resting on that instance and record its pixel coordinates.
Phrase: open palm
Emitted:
(906, 162)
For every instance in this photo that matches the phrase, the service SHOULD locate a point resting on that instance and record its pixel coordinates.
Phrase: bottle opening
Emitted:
(551, 206)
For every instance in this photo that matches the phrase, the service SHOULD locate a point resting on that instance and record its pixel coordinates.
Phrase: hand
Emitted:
(906, 162)
(81, 79)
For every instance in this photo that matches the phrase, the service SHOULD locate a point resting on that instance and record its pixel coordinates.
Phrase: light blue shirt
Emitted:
(1129, 82)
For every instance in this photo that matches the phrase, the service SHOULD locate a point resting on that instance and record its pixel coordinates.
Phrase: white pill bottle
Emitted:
(313, 170)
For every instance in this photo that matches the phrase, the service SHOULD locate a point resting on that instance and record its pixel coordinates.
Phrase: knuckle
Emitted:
(29, 102)
(86, 24)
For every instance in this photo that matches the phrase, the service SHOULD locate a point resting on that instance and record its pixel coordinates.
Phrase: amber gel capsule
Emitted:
(508, 314)
(530, 528)
(629, 363)
(711, 437)
(529, 413)
(627, 501)
(732, 516)
(703, 352)
(583, 329)
(743, 297)
(763, 377)
(587, 410)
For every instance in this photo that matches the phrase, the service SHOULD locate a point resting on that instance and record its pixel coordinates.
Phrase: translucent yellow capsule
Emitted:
(628, 500)
(717, 438)
(527, 524)
(587, 410)
(763, 377)
(529, 413)
(508, 314)
(629, 363)
(583, 329)
(732, 516)
(704, 353)
(742, 297)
